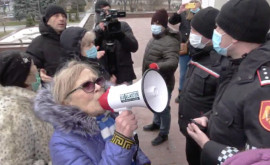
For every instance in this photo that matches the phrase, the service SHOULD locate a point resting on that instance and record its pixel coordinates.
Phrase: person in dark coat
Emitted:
(45, 49)
(79, 45)
(161, 53)
(240, 115)
(202, 77)
(118, 46)
(184, 16)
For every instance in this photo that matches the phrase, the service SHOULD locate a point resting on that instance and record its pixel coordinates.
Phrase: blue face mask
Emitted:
(92, 52)
(195, 10)
(156, 29)
(216, 39)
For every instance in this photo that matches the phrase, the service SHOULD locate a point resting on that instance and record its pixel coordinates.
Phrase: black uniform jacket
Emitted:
(201, 81)
(240, 117)
(46, 50)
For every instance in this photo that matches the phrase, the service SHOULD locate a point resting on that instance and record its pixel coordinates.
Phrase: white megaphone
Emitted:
(151, 92)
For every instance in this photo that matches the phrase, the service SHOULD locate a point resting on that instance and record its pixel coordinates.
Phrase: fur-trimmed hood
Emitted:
(64, 118)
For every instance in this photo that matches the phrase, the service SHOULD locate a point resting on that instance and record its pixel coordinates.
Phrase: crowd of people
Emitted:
(49, 94)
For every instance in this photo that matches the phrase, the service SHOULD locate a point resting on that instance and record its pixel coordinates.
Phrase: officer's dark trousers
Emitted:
(193, 152)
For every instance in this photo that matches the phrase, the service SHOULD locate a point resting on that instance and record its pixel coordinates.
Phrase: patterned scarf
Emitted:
(106, 125)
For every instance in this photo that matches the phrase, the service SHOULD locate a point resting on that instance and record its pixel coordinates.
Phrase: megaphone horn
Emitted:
(151, 92)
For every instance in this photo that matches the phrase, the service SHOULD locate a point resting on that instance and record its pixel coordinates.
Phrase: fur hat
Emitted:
(160, 17)
(14, 68)
(245, 20)
(204, 21)
(52, 10)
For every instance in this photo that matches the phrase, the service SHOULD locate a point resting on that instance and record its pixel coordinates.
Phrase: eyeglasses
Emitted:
(89, 86)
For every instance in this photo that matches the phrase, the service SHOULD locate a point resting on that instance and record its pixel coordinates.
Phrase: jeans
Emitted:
(183, 63)
(163, 119)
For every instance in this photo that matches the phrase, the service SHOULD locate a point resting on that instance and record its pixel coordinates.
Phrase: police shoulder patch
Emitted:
(264, 75)
(264, 115)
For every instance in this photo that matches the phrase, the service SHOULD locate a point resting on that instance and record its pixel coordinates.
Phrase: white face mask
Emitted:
(196, 41)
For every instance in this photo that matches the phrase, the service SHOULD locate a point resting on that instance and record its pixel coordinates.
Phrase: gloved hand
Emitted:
(154, 66)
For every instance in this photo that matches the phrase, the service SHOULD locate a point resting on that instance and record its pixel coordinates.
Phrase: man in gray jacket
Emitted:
(161, 53)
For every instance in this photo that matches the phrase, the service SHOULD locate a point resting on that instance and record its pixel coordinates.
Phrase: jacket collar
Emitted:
(47, 30)
(252, 61)
(64, 118)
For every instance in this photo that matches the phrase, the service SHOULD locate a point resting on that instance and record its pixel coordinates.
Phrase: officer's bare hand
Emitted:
(196, 134)
(203, 121)
(126, 123)
(43, 75)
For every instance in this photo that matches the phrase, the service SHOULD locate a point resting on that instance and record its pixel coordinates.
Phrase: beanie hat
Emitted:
(70, 39)
(101, 4)
(52, 10)
(245, 20)
(204, 21)
(160, 17)
(14, 68)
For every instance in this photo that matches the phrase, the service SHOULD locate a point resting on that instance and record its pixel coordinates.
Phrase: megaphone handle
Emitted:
(129, 109)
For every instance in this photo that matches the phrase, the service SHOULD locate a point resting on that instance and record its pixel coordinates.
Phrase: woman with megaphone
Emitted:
(84, 133)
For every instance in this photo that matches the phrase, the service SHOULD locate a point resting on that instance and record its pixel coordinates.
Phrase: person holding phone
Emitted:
(184, 16)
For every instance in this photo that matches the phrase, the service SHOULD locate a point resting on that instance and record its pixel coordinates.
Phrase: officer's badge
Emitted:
(264, 115)
(264, 75)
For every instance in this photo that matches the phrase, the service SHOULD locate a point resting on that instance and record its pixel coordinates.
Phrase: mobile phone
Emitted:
(202, 128)
(190, 5)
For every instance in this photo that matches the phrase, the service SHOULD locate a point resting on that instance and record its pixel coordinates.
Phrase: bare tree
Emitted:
(169, 4)
(3, 22)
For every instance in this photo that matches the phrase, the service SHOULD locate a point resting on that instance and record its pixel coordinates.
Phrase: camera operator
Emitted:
(117, 39)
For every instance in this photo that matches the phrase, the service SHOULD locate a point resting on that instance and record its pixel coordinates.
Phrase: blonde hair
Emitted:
(65, 79)
(88, 38)
(189, 14)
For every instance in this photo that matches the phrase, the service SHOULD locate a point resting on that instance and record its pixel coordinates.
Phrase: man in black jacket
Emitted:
(201, 79)
(45, 49)
(118, 46)
(240, 116)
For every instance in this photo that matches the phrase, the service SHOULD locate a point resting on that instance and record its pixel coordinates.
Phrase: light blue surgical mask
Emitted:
(195, 10)
(156, 29)
(216, 39)
(92, 52)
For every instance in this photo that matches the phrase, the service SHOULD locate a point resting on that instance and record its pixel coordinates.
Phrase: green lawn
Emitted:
(14, 23)
(4, 33)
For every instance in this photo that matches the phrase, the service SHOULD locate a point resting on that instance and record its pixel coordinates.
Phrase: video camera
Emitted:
(112, 25)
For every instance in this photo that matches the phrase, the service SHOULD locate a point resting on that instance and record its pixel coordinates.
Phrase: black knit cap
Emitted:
(160, 17)
(204, 21)
(245, 20)
(101, 4)
(52, 10)
(14, 68)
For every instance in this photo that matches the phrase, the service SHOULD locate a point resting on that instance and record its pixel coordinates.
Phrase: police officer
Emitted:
(240, 118)
(201, 80)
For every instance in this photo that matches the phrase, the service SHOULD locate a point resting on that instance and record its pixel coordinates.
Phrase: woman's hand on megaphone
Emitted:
(126, 123)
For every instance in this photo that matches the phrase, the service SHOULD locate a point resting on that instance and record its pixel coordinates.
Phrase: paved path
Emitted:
(171, 152)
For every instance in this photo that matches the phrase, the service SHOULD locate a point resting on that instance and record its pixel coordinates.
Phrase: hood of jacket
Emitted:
(47, 30)
(64, 118)
(70, 39)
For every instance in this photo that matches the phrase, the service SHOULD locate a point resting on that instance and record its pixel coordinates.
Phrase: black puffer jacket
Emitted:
(200, 85)
(164, 52)
(70, 41)
(117, 59)
(46, 49)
